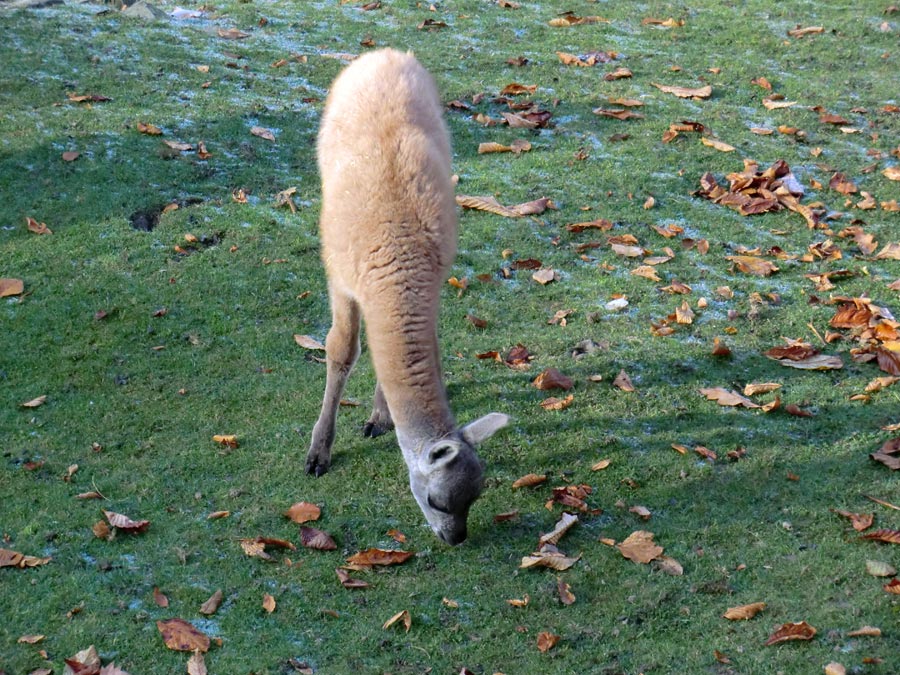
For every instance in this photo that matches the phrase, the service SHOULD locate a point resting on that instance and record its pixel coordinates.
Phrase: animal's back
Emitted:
(384, 158)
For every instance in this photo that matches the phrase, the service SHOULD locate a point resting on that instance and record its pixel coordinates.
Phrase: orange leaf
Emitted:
(377, 556)
(566, 596)
(859, 521)
(268, 603)
(35, 402)
(799, 630)
(529, 480)
(181, 636)
(488, 203)
(160, 598)
(348, 582)
(36, 227)
(303, 512)
(196, 665)
(263, 133)
(125, 523)
(308, 342)
(212, 604)
(640, 547)
(623, 382)
(554, 403)
(744, 612)
(752, 265)
(546, 641)
(726, 397)
(685, 92)
(11, 287)
(403, 616)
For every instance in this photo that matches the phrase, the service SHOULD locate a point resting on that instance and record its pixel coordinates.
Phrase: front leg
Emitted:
(341, 352)
(380, 421)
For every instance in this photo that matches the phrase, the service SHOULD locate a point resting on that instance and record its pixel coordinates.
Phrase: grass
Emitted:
(742, 530)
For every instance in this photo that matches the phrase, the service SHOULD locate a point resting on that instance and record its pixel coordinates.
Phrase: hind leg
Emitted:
(380, 421)
(341, 352)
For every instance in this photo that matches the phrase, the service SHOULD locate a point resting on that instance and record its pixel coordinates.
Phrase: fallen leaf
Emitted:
(519, 602)
(348, 582)
(859, 521)
(85, 662)
(669, 566)
(551, 378)
(623, 382)
(799, 32)
(303, 512)
(880, 569)
(35, 402)
(892, 173)
(545, 276)
(263, 133)
(228, 440)
(489, 204)
(554, 403)
(313, 538)
(232, 34)
(268, 603)
(716, 144)
(564, 525)
(70, 155)
(30, 639)
(571, 19)
(752, 265)
(196, 665)
(212, 604)
(36, 227)
(640, 511)
(308, 342)
(149, 129)
(754, 388)
(602, 464)
(160, 598)
(685, 92)
(566, 596)
(884, 535)
(640, 547)
(528, 480)
(865, 631)
(376, 556)
(101, 530)
(403, 616)
(216, 515)
(835, 668)
(550, 557)
(125, 523)
(799, 630)
(889, 454)
(726, 397)
(744, 612)
(181, 636)
(546, 641)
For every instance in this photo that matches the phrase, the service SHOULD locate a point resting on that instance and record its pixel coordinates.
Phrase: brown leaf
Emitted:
(196, 665)
(623, 382)
(303, 512)
(618, 113)
(640, 547)
(554, 403)
(602, 464)
(717, 144)
(545, 276)
(640, 511)
(85, 662)
(551, 378)
(403, 616)
(9, 558)
(669, 566)
(571, 19)
(36, 227)
(149, 129)
(550, 558)
(70, 155)
(842, 184)
(181, 636)
(546, 641)
(860, 521)
(313, 538)
(376, 556)
(892, 173)
(232, 34)
(212, 604)
(884, 535)
(796, 411)
(566, 596)
(101, 530)
(619, 73)
(263, 133)
(519, 602)
(566, 522)
(125, 523)
(348, 582)
(30, 639)
(228, 440)
(865, 631)
(752, 389)
(799, 630)
(308, 342)
(799, 32)
(726, 397)
(160, 598)
(744, 612)
(488, 203)
(529, 480)
(876, 568)
(685, 92)
(752, 265)
(889, 454)
(268, 603)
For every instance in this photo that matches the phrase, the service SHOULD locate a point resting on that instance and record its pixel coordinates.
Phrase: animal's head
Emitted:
(449, 475)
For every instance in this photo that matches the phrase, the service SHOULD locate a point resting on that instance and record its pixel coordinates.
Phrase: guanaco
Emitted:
(388, 237)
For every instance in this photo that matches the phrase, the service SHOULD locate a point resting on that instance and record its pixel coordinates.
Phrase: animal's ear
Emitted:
(439, 455)
(483, 428)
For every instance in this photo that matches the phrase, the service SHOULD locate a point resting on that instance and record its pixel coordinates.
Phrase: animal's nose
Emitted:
(454, 537)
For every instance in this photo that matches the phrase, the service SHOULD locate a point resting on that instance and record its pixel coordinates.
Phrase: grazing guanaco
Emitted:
(388, 237)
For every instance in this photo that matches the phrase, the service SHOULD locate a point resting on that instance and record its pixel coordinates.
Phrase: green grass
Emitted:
(742, 530)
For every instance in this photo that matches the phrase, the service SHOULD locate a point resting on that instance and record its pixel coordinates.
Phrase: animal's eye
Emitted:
(437, 507)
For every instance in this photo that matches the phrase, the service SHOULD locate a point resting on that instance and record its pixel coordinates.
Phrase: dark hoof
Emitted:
(313, 468)
(373, 429)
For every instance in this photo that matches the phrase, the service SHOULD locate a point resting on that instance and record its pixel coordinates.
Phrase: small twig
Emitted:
(813, 329)
(883, 503)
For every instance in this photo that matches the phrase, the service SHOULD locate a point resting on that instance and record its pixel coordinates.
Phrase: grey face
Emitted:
(446, 477)
(449, 481)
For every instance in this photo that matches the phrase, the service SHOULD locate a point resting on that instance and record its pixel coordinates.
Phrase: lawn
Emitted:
(173, 161)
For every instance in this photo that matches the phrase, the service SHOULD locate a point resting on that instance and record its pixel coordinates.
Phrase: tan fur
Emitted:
(388, 234)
